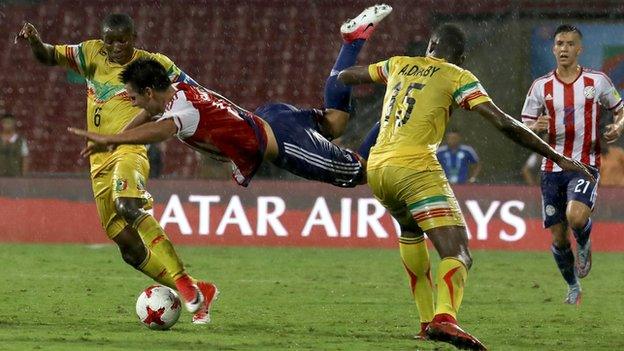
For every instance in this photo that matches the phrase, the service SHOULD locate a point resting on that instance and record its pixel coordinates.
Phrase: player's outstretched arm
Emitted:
(522, 135)
(140, 119)
(147, 133)
(614, 130)
(355, 75)
(43, 52)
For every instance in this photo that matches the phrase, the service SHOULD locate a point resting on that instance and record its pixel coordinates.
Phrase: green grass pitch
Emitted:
(73, 297)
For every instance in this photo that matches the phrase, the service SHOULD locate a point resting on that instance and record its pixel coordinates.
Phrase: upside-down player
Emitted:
(290, 138)
(407, 179)
(118, 177)
(565, 104)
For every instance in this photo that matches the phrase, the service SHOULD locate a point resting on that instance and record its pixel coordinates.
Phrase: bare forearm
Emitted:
(475, 170)
(147, 133)
(355, 75)
(43, 52)
(141, 118)
(522, 135)
(516, 131)
(618, 118)
(528, 176)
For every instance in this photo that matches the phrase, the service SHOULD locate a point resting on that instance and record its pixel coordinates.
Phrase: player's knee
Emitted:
(133, 254)
(128, 209)
(576, 221)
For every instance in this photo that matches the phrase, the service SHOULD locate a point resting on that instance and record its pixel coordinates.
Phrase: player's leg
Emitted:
(369, 141)
(304, 152)
(564, 258)
(554, 197)
(132, 249)
(434, 207)
(582, 197)
(412, 247)
(135, 253)
(415, 257)
(131, 199)
(337, 95)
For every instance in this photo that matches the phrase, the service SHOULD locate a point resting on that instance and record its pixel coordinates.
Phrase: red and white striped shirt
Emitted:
(211, 124)
(574, 128)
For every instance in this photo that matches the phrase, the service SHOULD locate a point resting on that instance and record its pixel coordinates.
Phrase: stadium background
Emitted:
(268, 50)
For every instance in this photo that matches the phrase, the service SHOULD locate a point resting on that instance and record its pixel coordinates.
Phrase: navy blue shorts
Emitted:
(559, 188)
(305, 152)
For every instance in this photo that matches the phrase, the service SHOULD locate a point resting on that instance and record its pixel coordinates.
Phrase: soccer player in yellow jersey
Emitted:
(119, 176)
(407, 179)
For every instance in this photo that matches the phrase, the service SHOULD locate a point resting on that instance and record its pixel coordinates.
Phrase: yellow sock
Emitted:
(153, 268)
(415, 258)
(157, 242)
(451, 280)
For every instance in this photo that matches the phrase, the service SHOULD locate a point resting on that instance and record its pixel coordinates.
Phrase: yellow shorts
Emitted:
(414, 197)
(124, 176)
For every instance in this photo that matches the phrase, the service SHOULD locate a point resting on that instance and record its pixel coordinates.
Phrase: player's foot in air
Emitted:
(574, 295)
(210, 293)
(362, 26)
(444, 328)
(583, 259)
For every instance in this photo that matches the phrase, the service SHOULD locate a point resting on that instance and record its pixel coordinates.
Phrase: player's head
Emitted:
(453, 138)
(8, 123)
(118, 34)
(567, 45)
(448, 42)
(146, 83)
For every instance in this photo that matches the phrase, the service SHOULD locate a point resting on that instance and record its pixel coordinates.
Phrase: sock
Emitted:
(450, 281)
(415, 258)
(153, 268)
(582, 235)
(157, 242)
(369, 142)
(186, 287)
(338, 95)
(565, 261)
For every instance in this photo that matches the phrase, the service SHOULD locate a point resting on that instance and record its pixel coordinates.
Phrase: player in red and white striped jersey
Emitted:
(566, 105)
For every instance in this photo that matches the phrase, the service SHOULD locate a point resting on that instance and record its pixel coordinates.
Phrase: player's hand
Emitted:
(541, 124)
(28, 32)
(613, 132)
(99, 142)
(568, 164)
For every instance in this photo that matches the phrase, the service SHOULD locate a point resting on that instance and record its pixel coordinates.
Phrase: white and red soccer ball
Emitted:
(158, 307)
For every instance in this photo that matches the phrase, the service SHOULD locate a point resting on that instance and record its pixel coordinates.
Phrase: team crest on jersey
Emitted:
(550, 210)
(589, 92)
(121, 184)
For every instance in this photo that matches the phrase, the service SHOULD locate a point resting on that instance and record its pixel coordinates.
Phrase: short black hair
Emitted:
(145, 73)
(119, 21)
(7, 116)
(567, 28)
(451, 40)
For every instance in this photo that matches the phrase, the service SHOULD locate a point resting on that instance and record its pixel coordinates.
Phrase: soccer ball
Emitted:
(158, 307)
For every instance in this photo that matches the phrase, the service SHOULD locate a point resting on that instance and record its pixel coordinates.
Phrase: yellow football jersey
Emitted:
(109, 108)
(417, 106)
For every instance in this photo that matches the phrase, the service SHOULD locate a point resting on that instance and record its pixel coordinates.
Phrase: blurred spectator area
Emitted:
(251, 51)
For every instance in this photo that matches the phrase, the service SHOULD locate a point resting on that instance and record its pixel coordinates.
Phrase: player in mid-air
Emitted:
(565, 104)
(118, 177)
(406, 177)
(297, 140)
